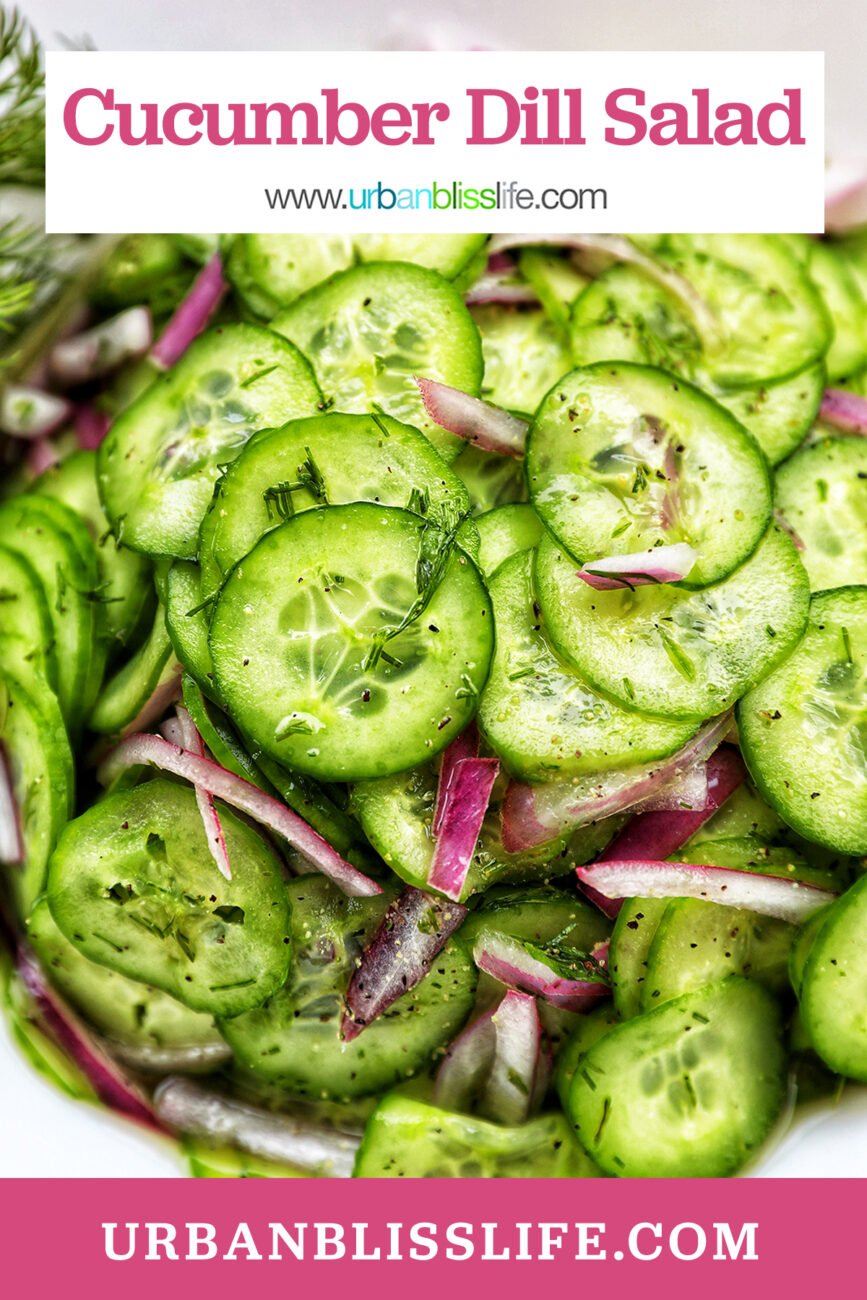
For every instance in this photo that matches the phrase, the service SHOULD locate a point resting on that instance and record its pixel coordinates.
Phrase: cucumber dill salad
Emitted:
(433, 693)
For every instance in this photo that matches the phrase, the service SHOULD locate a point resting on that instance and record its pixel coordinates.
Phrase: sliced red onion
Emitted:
(600, 952)
(91, 426)
(192, 1109)
(104, 1075)
(31, 412)
(502, 289)
(512, 1082)
(100, 350)
(140, 749)
(482, 424)
(687, 793)
(466, 745)
(640, 569)
(656, 835)
(465, 805)
(846, 194)
(536, 814)
(466, 1065)
(192, 314)
(180, 1058)
(616, 248)
(507, 959)
(844, 410)
(192, 740)
(41, 455)
(164, 694)
(12, 850)
(779, 896)
(413, 932)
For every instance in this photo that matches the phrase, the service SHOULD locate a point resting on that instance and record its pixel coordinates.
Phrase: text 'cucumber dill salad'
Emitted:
(434, 696)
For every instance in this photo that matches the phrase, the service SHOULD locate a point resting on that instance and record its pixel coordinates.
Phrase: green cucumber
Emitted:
(631, 940)
(25, 621)
(123, 695)
(833, 985)
(504, 531)
(524, 356)
(822, 495)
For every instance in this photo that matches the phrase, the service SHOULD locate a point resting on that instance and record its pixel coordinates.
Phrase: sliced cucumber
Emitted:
(672, 652)
(328, 460)
(131, 1014)
(524, 355)
(588, 1029)
(133, 885)
(504, 531)
(368, 331)
(778, 415)
(540, 915)
(161, 457)
(186, 616)
(25, 620)
(123, 695)
(622, 458)
(847, 307)
(406, 1138)
(294, 1039)
(34, 742)
(631, 940)
(689, 1090)
(822, 495)
(557, 282)
(804, 729)
(56, 543)
(833, 992)
(304, 656)
(539, 715)
(491, 480)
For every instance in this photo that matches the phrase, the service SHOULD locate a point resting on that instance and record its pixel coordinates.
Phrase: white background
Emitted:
(41, 1132)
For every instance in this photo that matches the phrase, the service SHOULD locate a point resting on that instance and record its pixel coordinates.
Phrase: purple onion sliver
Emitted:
(844, 410)
(414, 930)
(486, 426)
(512, 1082)
(643, 568)
(466, 1065)
(30, 413)
(91, 426)
(192, 314)
(106, 347)
(213, 827)
(466, 745)
(506, 959)
(466, 804)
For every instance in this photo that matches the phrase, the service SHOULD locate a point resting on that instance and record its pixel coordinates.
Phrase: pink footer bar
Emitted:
(426, 1239)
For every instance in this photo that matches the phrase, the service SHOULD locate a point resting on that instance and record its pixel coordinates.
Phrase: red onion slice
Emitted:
(140, 749)
(413, 932)
(536, 814)
(466, 1065)
(12, 850)
(844, 410)
(190, 1108)
(640, 569)
(192, 314)
(41, 455)
(686, 793)
(104, 1075)
(513, 1080)
(466, 745)
(616, 248)
(502, 289)
(98, 351)
(192, 740)
(164, 694)
(31, 412)
(91, 426)
(465, 805)
(779, 896)
(507, 959)
(486, 426)
(180, 1058)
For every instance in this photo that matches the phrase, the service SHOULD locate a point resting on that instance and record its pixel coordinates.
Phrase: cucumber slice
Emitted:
(271, 271)
(186, 615)
(798, 954)
(743, 815)
(631, 940)
(846, 306)
(294, 642)
(396, 814)
(159, 462)
(130, 1014)
(815, 705)
(834, 984)
(524, 355)
(123, 696)
(327, 460)
(143, 269)
(779, 415)
(538, 715)
(588, 1030)
(406, 1138)
(125, 590)
(58, 546)
(294, 1039)
(622, 458)
(698, 943)
(672, 652)
(25, 621)
(557, 282)
(491, 480)
(505, 531)
(367, 331)
(36, 748)
(822, 495)
(689, 1090)
(133, 886)
(539, 915)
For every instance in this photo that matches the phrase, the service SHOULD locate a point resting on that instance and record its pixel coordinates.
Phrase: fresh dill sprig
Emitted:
(22, 103)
